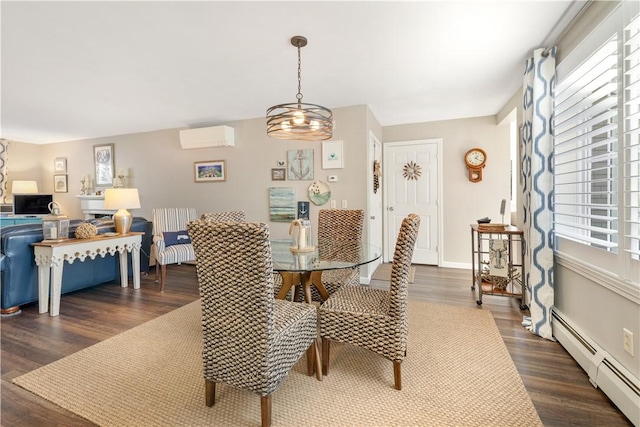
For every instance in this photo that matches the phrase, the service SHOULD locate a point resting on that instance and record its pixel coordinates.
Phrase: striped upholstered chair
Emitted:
(337, 225)
(229, 216)
(169, 226)
(251, 340)
(374, 319)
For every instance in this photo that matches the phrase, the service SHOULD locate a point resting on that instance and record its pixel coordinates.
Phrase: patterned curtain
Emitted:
(537, 175)
(4, 179)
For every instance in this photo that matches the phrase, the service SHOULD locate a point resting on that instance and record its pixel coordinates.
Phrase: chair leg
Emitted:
(325, 355)
(310, 358)
(318, 363)
(265, 410)
(397, 375)
(209, 392)
(157, 270)
(163, 276)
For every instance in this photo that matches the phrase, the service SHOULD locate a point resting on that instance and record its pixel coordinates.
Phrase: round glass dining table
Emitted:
(305, 268)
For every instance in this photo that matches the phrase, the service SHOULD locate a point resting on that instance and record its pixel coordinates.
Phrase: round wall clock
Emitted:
(475, 160)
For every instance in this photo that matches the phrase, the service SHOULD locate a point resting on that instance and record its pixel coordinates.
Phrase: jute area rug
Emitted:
(457, 373)
(383, 272)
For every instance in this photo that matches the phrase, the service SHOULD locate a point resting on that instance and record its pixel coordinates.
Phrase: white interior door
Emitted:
(374, 217)
(411, 182)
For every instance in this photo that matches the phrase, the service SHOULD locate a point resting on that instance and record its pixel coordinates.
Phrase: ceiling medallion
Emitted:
(411, 171)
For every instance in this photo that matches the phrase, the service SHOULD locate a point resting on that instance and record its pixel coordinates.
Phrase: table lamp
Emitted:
(122, 199)
(24, 187)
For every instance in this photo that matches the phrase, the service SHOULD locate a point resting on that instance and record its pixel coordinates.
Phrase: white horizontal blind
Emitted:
(631, 168)
(586, 151)
(597, 148)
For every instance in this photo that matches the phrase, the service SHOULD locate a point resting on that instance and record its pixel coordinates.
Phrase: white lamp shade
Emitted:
(24, 187)
(121, 198)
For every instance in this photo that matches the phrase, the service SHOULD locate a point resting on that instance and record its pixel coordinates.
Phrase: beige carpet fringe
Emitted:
(458, 372)
(383, 272)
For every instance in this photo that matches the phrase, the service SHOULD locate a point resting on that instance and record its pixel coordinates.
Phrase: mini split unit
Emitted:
(214, 136)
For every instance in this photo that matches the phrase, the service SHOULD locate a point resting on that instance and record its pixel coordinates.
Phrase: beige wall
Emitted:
(463, 201)
(163, 171)
(24, 163)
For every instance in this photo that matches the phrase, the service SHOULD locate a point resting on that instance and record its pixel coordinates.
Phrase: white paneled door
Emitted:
(411, 182)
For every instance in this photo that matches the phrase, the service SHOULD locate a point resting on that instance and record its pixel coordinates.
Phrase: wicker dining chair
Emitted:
(338, 225)
(374, 319)
(169, 233)
(228, 216)
(251, 340)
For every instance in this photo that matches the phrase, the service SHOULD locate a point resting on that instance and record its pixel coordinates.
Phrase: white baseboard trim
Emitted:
(459, 265)
(604, 371)
(365, 280)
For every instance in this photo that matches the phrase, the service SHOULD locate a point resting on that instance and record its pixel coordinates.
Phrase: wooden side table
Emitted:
(50, 258)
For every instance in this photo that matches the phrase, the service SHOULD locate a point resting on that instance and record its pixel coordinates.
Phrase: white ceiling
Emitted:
(75, 70)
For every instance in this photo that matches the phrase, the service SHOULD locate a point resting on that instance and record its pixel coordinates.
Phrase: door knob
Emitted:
(372, 217)
(390, 208)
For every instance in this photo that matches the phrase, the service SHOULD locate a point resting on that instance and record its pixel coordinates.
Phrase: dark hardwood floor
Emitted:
(559, 388)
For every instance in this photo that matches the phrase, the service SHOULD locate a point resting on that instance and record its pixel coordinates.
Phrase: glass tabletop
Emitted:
(327, 255)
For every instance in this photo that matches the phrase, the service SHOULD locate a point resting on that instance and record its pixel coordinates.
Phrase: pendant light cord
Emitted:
(299, 94)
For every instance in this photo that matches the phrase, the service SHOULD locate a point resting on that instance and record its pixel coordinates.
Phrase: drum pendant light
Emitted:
(298, 120)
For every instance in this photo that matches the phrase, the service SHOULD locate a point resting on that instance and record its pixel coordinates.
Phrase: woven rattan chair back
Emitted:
(250, 340)
(399, 282)
(340, 224)
(230, 216)
(372, 318)
(234, 269)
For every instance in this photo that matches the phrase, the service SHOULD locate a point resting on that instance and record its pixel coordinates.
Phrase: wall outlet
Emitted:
(333, 204)
(627, 342)
(332, 178)
(344, 204)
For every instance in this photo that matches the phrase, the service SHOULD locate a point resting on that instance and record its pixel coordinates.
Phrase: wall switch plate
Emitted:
(344, 204)
(333, 204)
(627, 342)
(332, 178)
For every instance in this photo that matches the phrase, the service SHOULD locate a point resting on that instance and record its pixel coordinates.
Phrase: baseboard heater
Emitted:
(620, 386)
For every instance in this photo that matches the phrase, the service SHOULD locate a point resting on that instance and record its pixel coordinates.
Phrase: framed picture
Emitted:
(332, 157)
(210, 171)
(300, 164)
(278, 174)
(282, 204)
(303, 210)
(60, 165)
(60, 184)
(103, 158)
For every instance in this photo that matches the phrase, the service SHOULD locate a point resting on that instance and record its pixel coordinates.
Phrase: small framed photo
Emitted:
(103, 158)
(210, 171)
(60, 165)
(303, 210)
(332, 157)
(278, 174)
(60, 184)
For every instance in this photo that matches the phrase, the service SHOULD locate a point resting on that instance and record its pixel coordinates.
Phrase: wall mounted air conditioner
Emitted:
(214, 136)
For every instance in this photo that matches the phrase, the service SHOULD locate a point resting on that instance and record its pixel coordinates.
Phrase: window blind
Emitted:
(596, 162)
(631, 168)
(585, 150)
